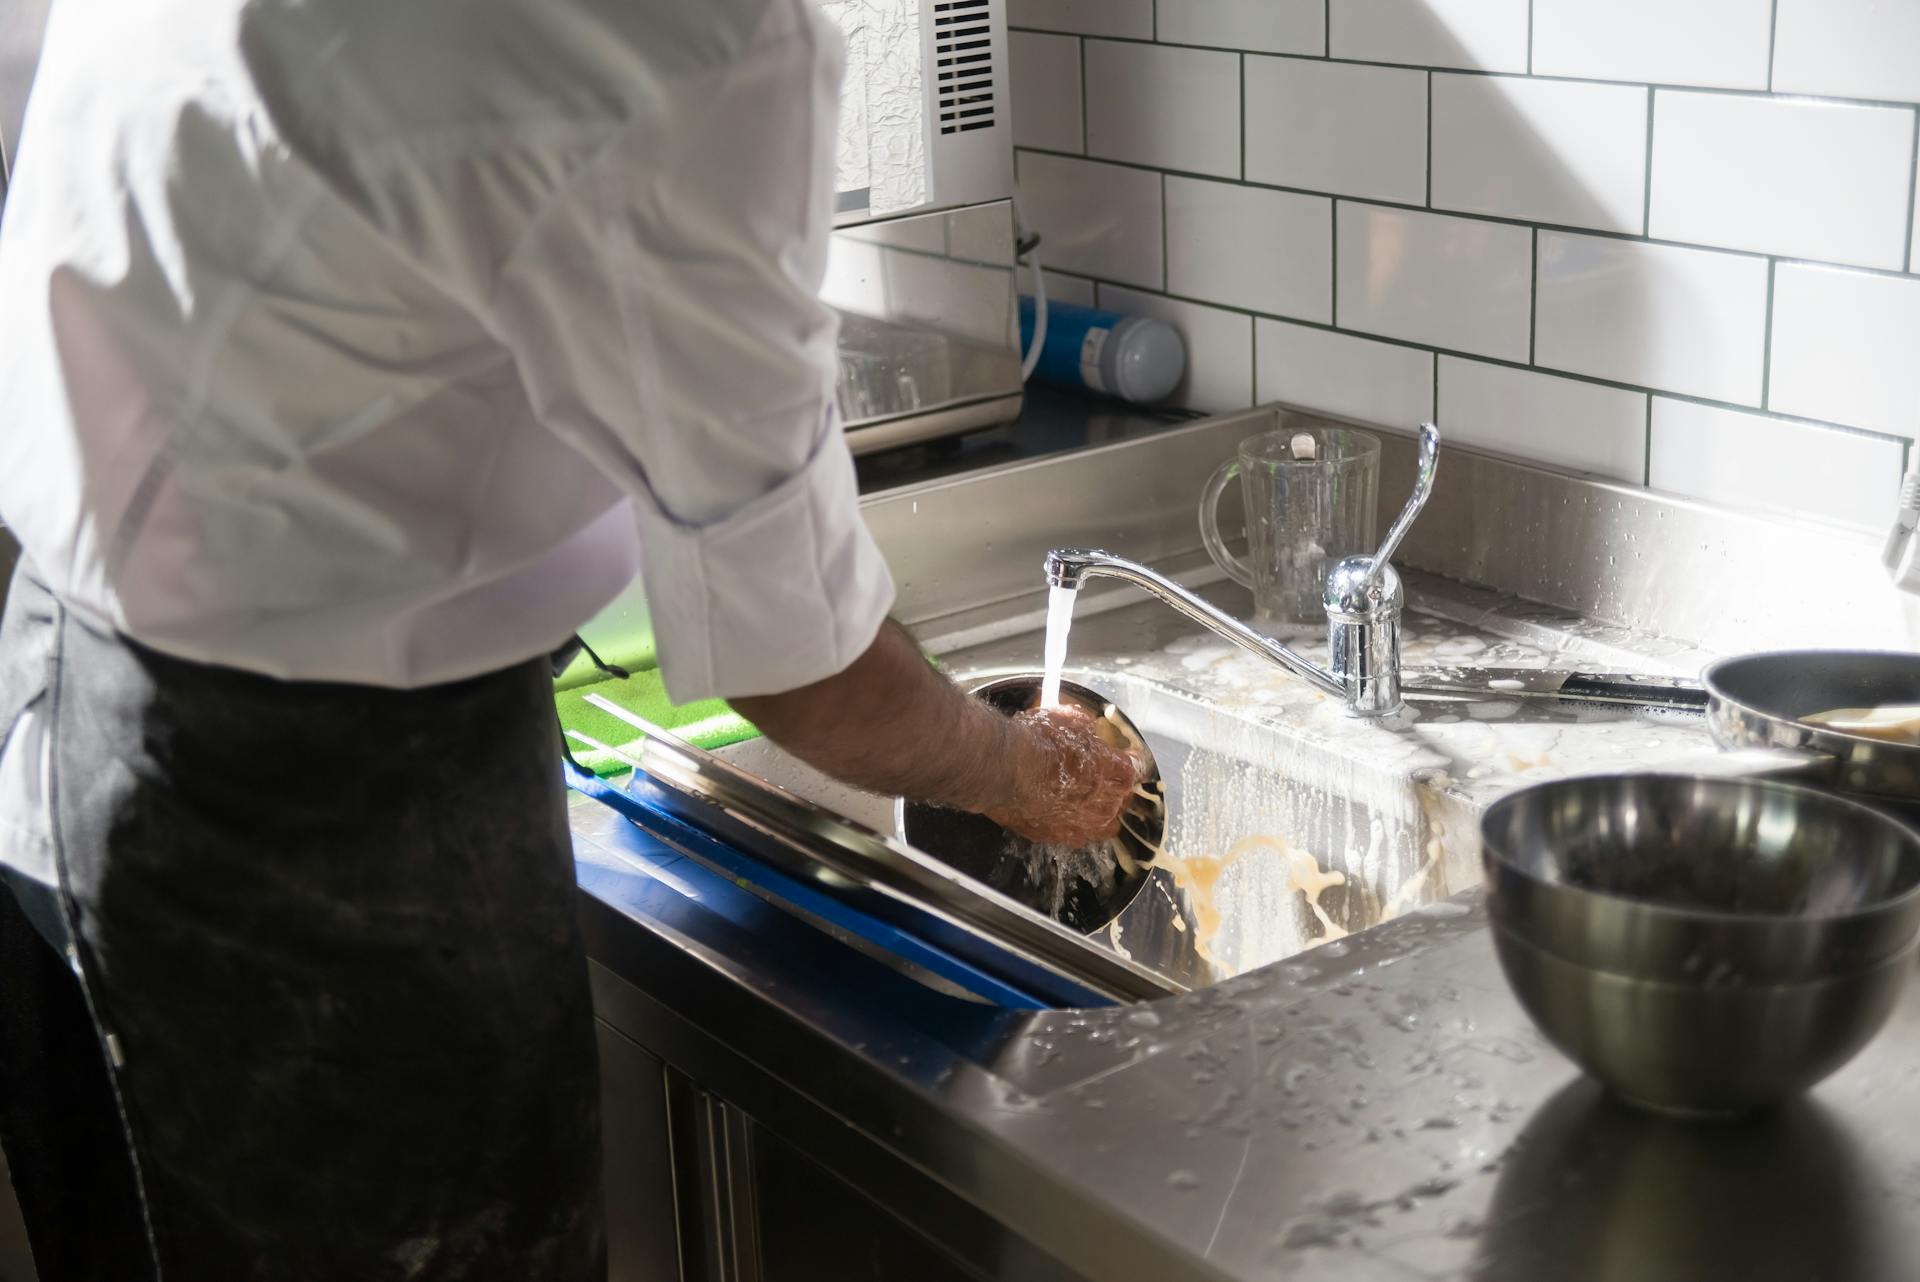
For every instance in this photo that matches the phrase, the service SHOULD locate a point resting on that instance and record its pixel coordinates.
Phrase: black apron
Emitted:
(323, 1012)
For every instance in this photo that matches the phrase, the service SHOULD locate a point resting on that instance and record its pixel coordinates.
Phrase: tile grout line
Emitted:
(1081, 49)
(1245, 123)
(1646, 195)
(1646, 460)
(1429, 140)
(1913, 192)
(1326, 29)
(1766, 351)
(1529, 37)
(1333, 273)
(1773, 38)
(1166, 243)
(1897, 104)
(1600, 233)
(1533, 305)
(1565, 375)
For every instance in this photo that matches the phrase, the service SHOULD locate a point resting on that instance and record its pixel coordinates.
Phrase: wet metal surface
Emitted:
(1374, 1108)
(1293, 822)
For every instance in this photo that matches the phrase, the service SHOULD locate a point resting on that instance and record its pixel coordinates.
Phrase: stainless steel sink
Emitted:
(1277, 843)
(1292, 823)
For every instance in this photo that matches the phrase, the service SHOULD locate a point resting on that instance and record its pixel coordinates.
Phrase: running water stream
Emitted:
(1059, 622)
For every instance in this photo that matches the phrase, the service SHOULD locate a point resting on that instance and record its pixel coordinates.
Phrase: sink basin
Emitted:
(1277, 843)
(1293, 824)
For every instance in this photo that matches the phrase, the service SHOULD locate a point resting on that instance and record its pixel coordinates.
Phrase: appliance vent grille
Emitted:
(963, 63)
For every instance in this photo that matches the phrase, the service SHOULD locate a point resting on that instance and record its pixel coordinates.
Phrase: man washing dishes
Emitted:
(353, 356)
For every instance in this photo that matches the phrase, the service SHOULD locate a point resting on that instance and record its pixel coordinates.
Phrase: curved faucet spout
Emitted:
(1071, 567)
(1067, 566)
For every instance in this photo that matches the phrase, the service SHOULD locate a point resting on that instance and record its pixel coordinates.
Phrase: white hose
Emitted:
(1031, 361)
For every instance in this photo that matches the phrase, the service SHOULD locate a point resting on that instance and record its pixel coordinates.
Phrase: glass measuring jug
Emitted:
(1311, 497)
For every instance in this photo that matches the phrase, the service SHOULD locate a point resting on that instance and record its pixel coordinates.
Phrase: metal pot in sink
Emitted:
(1084, 889)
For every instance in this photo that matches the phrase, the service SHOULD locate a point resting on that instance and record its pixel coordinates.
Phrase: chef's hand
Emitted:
(893, 725)
(1069, 784)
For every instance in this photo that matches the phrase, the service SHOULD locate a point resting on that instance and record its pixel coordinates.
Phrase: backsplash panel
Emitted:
(1669, 244)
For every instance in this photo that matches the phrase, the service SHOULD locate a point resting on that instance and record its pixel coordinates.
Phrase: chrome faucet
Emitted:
(1363, 599)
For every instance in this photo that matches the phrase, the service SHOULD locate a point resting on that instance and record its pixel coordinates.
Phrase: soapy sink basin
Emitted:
(1292, 823)
(1276, 843)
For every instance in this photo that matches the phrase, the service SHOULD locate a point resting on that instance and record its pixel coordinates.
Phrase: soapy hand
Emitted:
(1070, 785)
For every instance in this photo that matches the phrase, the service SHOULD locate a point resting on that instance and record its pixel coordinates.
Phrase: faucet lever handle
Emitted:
(1428, 465)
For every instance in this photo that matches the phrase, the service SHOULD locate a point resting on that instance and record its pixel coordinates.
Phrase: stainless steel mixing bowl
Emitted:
(1703, 946)
(1082, 889)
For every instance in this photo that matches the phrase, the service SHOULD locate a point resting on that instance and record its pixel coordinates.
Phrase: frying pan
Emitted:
(1758, 702)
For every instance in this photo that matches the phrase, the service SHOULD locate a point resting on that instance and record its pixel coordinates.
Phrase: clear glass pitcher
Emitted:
(1310, 497)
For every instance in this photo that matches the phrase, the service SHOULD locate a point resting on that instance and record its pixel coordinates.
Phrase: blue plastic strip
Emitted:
(745, 870)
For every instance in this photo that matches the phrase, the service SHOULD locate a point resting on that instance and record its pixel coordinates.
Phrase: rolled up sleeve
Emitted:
(663, 312)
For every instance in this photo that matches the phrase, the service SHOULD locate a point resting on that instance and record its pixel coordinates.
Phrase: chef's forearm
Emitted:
(892, 724)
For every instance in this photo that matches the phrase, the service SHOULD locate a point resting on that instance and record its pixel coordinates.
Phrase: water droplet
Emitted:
(1144, 1019)
(1183, 1180)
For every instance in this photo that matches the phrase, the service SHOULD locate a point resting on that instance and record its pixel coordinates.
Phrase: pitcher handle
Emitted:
(1210, 524)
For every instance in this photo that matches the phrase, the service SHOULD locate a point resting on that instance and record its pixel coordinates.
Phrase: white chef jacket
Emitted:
(385, 342)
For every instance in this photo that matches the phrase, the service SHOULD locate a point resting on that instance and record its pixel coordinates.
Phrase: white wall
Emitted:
(1672, 244)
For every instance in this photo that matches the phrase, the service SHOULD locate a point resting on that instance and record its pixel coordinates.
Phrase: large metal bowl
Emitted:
(1085, 889)
(1703, 946)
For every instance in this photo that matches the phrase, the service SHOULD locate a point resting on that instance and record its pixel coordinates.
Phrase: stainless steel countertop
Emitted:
(1379, 1108)
(1053, 422)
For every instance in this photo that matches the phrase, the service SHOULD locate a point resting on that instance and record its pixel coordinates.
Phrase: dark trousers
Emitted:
(325, 1014)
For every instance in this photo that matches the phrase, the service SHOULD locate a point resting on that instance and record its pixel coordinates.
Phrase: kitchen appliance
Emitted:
(922, 267)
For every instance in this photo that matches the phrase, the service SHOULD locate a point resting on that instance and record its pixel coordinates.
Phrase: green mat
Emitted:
(709, 723)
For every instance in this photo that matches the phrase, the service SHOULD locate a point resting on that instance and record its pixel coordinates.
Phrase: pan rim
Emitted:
(1719, 697)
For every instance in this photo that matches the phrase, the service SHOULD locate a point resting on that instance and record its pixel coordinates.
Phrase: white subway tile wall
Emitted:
(1913, 232)
(1337, 127)
(1337, 373)
(1264, 26)
(1047, 96)
(1734, 457)
(1805, 179)
(1548, 151)
(1580, 426)
(1061, 288)
(1219, 348)
(1846, 348)
(1484, 35)
(1165, 106)
(1670, 243)
(1129, 18)
(1718, 44)
(1848, 48)
(1433, 279)
(1682, 320)
(1097, 220)
(1266, 251)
